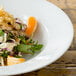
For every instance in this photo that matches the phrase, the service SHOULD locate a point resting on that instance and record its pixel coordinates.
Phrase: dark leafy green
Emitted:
(4, 53)
(22, 39)
(10, 36)
(1, 33)
(36, 47)
(26, 48)
(23, 48)
(31, 41)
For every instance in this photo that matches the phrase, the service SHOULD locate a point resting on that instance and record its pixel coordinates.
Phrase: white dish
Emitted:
(55, 31)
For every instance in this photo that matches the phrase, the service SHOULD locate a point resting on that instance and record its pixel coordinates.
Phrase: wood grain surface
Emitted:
(66, 65)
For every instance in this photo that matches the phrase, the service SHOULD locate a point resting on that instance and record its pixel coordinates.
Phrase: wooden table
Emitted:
(66, 65)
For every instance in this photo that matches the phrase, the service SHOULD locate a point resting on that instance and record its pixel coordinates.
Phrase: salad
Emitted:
(16, 39)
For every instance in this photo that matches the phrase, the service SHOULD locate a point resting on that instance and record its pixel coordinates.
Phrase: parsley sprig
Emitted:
(29, 49)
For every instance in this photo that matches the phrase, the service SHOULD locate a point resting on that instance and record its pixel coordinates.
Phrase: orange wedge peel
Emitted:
(13, 60)
(31, 26)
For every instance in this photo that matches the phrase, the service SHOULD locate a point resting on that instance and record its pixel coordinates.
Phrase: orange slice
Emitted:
(31, 26)
(12, 60)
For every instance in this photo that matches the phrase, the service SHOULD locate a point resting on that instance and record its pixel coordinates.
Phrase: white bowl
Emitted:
(55, 31)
